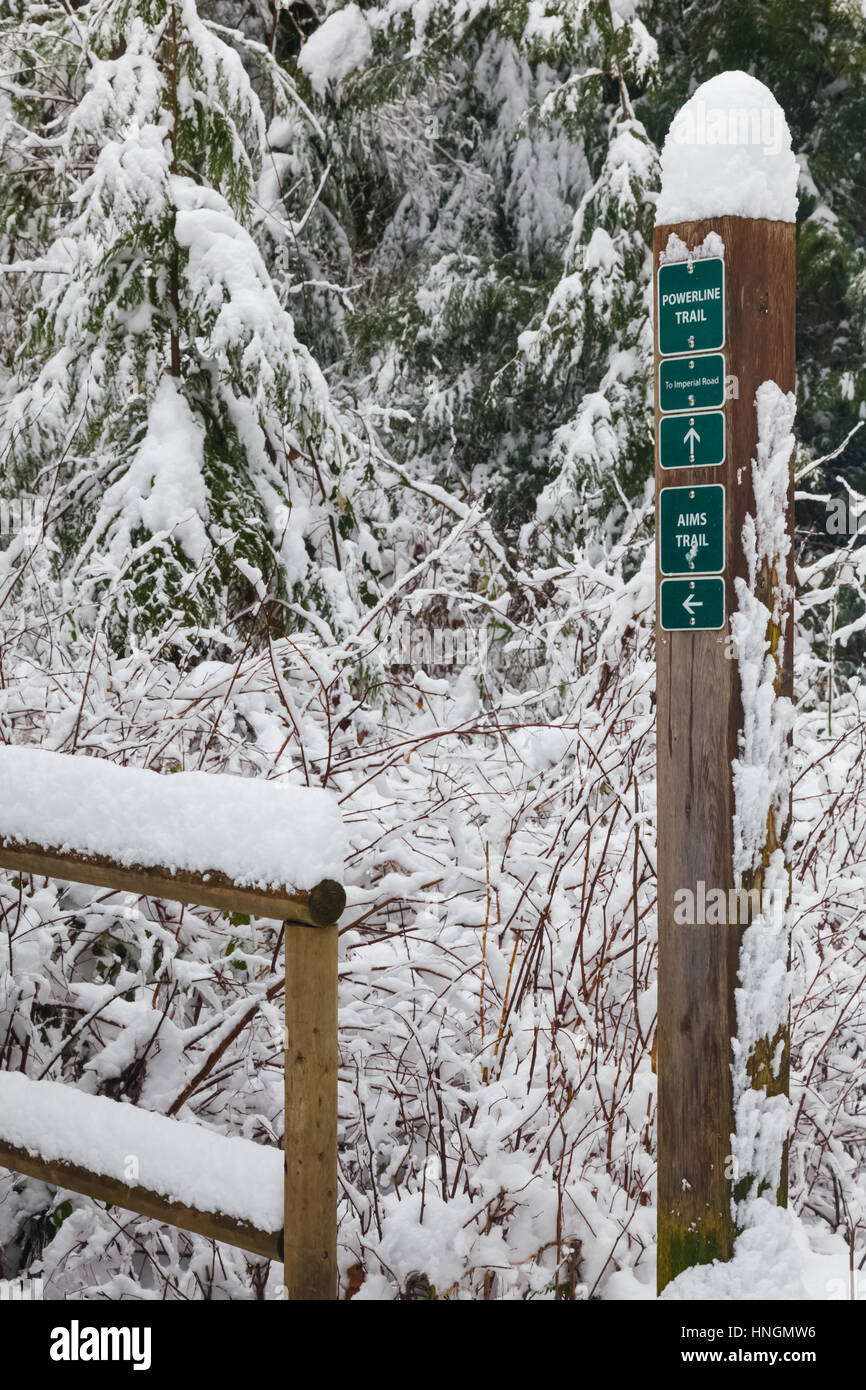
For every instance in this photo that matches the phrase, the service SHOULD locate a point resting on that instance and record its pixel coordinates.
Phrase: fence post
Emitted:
(310, 1227)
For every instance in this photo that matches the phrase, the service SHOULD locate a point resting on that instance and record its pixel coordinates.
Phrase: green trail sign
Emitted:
(692, 383)
(692, 605)
(692, 441)
(691, 306)
(692, 529)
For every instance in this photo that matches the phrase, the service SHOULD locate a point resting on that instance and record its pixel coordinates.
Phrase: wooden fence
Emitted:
(307, 1243)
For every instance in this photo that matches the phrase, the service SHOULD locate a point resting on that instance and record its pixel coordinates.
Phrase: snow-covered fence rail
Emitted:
(238, 844)
(226, 1188)
(195, 837)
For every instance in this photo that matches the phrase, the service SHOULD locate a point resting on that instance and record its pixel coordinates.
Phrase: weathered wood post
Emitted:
(723, 260)
(310, 1228)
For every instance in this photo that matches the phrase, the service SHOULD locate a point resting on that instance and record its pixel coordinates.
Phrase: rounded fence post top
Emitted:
(327, 901)
(728, 154)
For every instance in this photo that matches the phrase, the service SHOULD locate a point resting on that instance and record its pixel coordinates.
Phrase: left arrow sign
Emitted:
(692, 605)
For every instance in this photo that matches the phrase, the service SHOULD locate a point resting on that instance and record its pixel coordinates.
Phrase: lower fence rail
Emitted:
(214, 1225)
(307, 1245)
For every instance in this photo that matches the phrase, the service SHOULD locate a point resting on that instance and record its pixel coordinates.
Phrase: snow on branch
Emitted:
(762, 785)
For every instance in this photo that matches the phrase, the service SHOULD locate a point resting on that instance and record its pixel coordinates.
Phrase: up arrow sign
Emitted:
(690, 447)
(691, 437)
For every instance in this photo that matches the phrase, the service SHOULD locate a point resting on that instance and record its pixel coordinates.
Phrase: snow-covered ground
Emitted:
(778, 1258)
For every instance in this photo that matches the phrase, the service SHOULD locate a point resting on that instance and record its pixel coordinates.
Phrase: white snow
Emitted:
(261, 833)
(177, 1159)
(761, 1122)
(164, 488)
(728, 152)
(240, 317)
(777, 1257)
(762, 782)
(768, 1263)
(761, 771)
(338, 47)
(676, 249)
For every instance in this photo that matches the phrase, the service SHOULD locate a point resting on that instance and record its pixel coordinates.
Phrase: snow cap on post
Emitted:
(728, 154)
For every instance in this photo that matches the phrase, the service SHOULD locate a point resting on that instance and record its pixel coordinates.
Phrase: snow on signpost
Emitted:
(724, 373)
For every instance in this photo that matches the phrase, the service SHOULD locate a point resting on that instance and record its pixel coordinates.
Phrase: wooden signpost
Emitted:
(724, 325)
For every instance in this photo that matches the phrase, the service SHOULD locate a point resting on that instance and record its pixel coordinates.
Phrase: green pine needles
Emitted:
(160, 395)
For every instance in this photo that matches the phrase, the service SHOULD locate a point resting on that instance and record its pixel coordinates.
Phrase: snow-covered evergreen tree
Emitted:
(161, 395)
(594, 339)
